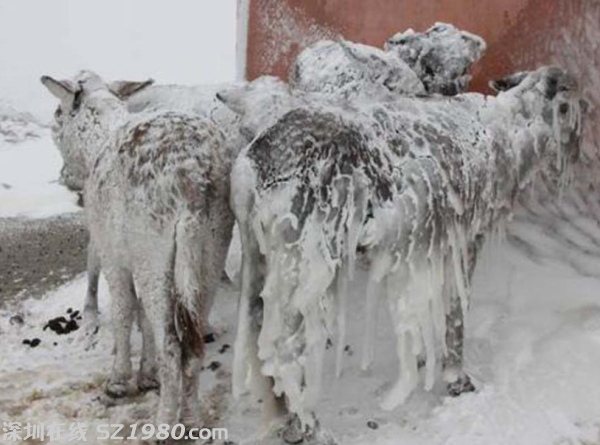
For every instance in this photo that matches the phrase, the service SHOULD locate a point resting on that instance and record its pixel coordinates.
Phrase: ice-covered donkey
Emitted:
(156, 188)
(197, 100)
(441, 57)
(435, 61)
(417, 183)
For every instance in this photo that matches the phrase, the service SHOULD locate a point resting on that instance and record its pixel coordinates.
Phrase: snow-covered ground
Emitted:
(533, 348)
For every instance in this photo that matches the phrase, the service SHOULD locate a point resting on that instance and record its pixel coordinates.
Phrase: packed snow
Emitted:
(532, 347)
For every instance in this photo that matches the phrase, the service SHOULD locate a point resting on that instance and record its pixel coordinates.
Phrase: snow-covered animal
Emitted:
(197, 100)
(436, 61)
(441, 56)
(418, 183)
(156, 189)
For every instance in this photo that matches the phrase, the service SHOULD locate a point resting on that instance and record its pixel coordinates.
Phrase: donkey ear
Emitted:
(123, 89)
(585, 106)
(508, 82)
(235, 99)
(63, 90)
(353, 54)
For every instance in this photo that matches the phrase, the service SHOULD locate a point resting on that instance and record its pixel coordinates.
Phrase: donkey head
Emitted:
(441, 56)
(81, 102)
(259, 103)
(382, 71)
(552, 94)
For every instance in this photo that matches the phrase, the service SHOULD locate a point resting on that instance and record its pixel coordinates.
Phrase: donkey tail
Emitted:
(190, 292)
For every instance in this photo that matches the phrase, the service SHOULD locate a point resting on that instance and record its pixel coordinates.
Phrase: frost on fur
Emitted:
(260, 103)
(417, 182)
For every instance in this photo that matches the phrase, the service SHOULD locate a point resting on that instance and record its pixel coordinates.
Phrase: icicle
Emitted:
(453, 197)
(241, 354)
(342, 295)
(557, 135)
(371, 308)
(409, 378)
(418, 314)
(316, 340)
(355, 220)
(458, 266)
(436, 285)
(575, 115)
(427, 327)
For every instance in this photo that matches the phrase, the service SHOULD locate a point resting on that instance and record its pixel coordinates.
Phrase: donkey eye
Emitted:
(563, 108)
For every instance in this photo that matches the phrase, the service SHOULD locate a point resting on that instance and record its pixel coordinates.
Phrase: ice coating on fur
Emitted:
(441, 56)
(196, 100)
(260, 103)
(199, 100)
(352, 70)
(304, 247)
(156, 188)
(419, 181)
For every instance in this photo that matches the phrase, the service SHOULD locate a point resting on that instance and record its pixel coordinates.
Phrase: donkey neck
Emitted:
(522, 135)
(97, 123)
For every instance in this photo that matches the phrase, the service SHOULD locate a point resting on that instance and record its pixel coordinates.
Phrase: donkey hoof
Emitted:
(116, 390)
(292, 431)
(147, 383)
(211, 337)
(460, 386)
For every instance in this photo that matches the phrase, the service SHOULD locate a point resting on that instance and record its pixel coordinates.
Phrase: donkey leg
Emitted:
(457, 381)
(294, 432)
(123, 304)
(90, 307)
(155, 289)
(190, 404)
(148, 378)
(170, 371)
(247, 364)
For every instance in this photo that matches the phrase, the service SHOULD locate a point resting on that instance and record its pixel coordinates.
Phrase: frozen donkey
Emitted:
(156, 188)
(418, 183)
(144, 98)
